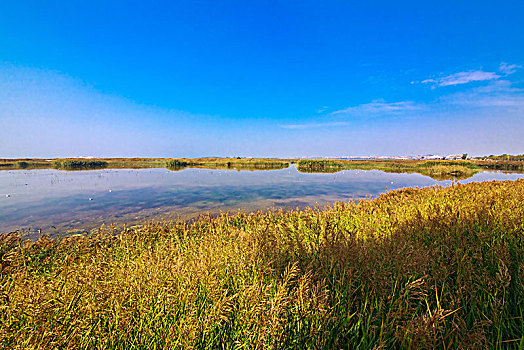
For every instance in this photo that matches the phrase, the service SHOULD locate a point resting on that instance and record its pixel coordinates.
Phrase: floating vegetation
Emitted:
(439, 267)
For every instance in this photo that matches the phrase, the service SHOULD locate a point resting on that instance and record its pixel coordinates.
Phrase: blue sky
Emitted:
(260, 78)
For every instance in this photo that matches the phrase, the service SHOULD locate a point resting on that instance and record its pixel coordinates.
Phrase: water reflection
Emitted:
(55, 200)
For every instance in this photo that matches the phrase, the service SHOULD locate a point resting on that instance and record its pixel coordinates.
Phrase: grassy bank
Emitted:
(414, 268)
(25, 163)
(79, 163)
(229, 163)
(437, 169)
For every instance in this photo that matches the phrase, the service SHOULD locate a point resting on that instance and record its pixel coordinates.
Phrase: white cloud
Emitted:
(462, 78)
(508, 69)
(376, 108)
(499, 95)
(379, 108)
(313, 125)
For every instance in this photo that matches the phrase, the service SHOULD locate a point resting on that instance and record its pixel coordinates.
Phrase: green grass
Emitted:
(414, 268)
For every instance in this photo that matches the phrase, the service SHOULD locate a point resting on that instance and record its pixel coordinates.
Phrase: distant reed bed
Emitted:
(414, 268)
(75, 164)
(234, 163)
(438, 169)
(23, 164)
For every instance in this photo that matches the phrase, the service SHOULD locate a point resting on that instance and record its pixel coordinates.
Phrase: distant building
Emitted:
(457, 156)
(431, 157)
(454, 157)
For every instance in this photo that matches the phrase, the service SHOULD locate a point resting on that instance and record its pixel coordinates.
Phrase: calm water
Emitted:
(67, 201)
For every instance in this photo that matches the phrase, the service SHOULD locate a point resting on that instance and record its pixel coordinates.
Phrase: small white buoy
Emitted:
(8, 195)
(90, 199)
(392, 182)
(110, 190)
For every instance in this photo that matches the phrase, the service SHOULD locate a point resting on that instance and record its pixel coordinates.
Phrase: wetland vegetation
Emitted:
(228, 163)
(75, 164)
(144, 163)
(438, 267)
(436, 169)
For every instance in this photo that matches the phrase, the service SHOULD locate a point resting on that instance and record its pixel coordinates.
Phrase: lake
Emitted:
(77, 201)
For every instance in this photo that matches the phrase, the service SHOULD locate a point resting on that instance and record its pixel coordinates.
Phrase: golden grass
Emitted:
(414, 268)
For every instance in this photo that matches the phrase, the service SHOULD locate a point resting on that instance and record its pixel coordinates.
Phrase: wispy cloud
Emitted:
(313, 125)
(498, 95)
(379, 108)
(322, 110)
(508, 69)
(462, 78)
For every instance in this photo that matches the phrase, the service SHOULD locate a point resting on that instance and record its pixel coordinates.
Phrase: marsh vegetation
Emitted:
(144, 163)
(75, 164)
(436, 169)
(228, 163)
